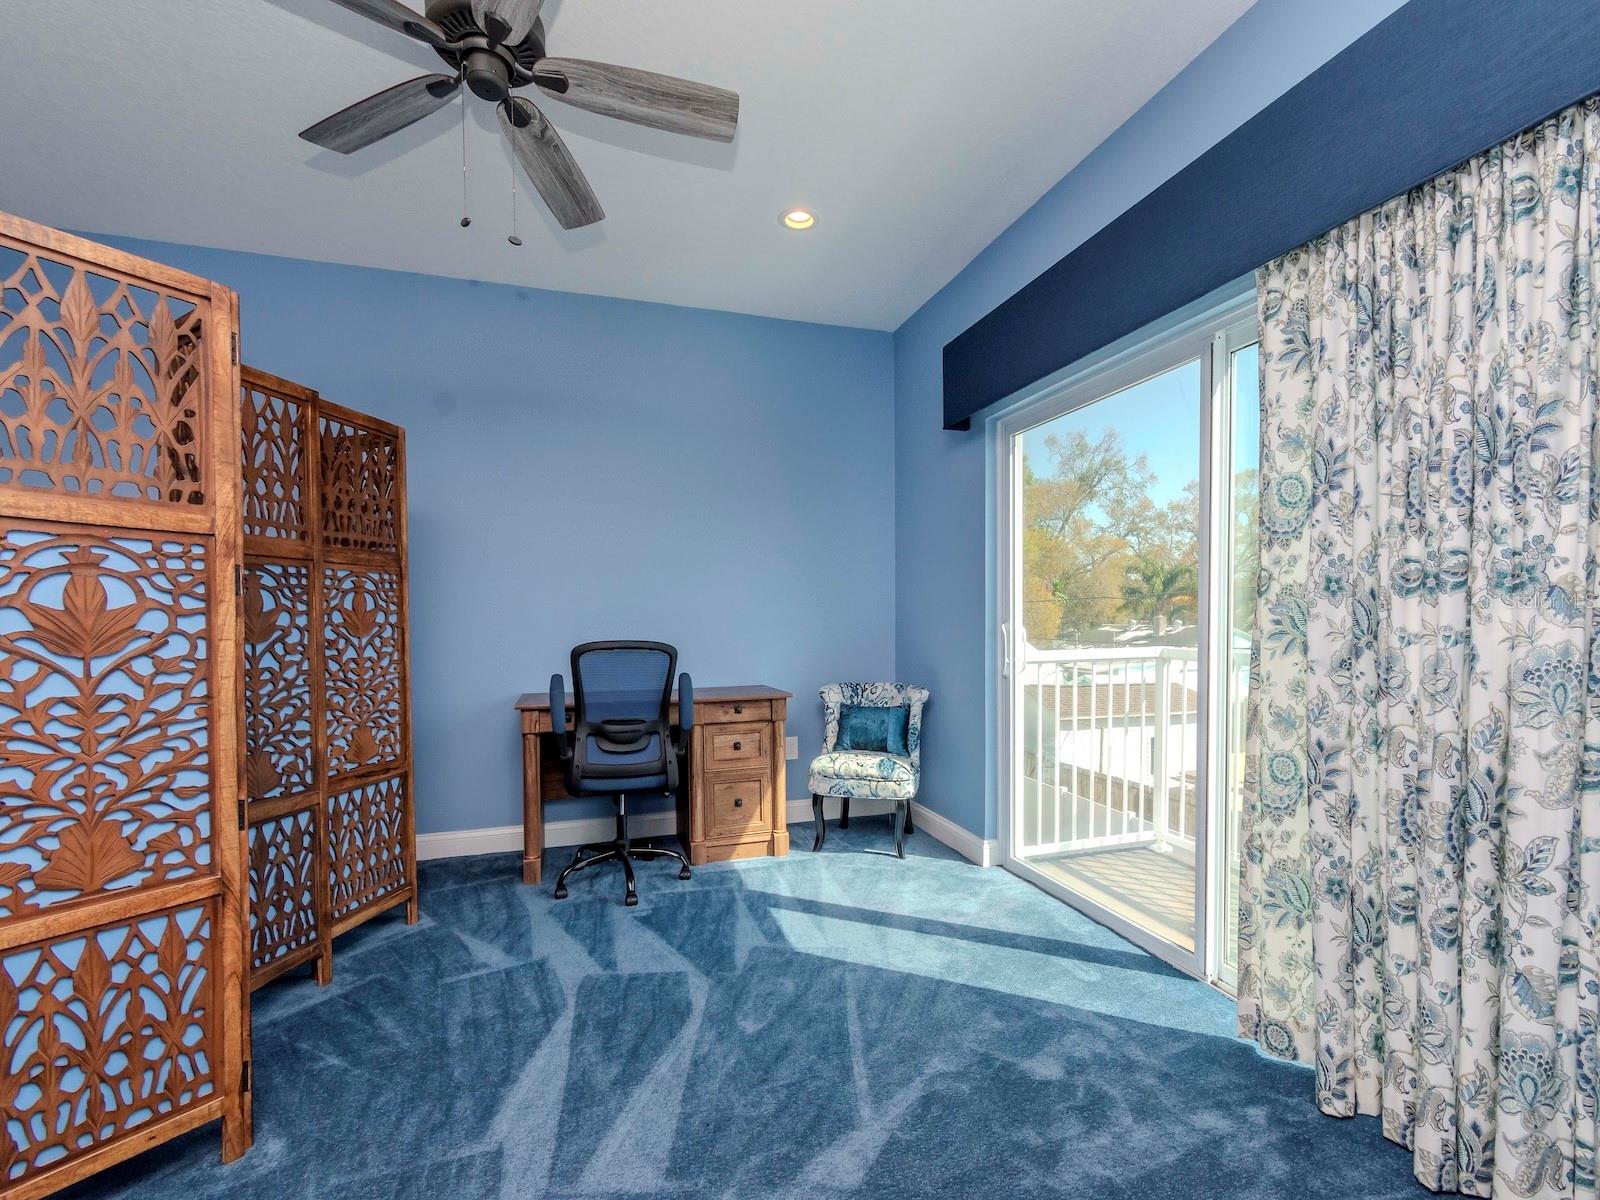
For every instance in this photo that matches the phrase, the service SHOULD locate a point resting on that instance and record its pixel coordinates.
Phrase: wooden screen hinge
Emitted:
(244, 811)
(244, 1076)
(236, 348)
(238, 580)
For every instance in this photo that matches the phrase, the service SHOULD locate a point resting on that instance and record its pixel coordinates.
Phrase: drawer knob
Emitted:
(738, 745)
(738, 801)
(738, 708)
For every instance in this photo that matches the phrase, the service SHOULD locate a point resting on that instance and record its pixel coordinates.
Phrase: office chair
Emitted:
(621, 740)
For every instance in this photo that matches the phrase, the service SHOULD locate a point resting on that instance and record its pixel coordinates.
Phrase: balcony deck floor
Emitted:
(1151, 889)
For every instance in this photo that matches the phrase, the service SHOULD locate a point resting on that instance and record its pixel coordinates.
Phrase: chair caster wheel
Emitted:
(561, 893)
(684, 873)
(631, 899)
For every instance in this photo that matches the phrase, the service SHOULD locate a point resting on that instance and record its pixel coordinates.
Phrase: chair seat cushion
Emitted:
(647, 757)
(644, 784)
(864, 774)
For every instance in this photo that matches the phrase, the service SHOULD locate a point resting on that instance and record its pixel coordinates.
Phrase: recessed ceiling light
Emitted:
(799, 218)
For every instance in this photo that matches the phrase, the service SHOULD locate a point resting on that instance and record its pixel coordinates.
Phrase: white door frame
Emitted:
(1207, 335)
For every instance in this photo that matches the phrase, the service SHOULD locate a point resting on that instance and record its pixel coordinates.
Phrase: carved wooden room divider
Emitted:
(123, 939)
(327, 673)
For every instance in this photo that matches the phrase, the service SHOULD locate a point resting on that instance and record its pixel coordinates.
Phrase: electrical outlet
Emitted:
(791, 747)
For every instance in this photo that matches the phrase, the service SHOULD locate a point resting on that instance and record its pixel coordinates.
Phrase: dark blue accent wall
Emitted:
(1435, 83)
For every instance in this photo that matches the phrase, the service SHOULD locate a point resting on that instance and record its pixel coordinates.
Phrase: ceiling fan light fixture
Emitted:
(799, 218)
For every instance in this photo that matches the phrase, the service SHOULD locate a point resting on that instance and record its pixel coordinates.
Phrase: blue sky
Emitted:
(1160, 419)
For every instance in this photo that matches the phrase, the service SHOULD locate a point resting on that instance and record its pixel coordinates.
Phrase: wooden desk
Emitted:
(732, 799)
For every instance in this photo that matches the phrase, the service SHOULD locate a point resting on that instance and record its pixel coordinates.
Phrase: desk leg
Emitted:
(532, 812)
(780, 791)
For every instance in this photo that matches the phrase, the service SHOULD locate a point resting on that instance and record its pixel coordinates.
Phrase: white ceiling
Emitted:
(916, 129)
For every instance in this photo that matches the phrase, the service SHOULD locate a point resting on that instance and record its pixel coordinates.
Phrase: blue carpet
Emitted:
(825, 1025)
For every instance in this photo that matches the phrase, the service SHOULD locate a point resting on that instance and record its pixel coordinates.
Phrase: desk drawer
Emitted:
(723, 712)
(737, 746)
(737, 806)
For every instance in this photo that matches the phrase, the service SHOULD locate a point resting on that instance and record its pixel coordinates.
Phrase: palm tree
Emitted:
(1154, 588)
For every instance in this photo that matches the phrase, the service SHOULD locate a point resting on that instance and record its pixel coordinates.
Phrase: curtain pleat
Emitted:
(1422, 812)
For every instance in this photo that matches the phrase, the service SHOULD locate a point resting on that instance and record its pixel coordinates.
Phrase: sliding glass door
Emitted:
(1128, 512)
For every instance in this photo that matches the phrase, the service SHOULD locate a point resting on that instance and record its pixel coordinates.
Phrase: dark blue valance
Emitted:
(1438, 81)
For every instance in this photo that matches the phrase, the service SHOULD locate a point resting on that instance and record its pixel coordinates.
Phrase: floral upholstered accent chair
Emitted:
(871, 748)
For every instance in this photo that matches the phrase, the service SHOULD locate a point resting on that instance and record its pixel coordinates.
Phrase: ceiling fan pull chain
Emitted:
(465, 219)
(514, 239)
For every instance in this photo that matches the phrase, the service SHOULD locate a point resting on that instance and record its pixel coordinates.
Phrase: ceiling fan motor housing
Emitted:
(486, 74)
(489, 68)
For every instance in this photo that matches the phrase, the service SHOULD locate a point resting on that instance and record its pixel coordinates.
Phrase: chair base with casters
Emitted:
(620, 849)
(901, 817)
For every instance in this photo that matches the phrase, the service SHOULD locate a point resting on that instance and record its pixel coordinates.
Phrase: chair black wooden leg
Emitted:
(844, 812)
(818, 821)
(902, 814)
(909, 829)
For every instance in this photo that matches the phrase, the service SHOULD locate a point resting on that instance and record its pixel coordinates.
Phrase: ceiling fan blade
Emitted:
(398, 17)
(548, 162)
(376, 117)
(513, 18)
(643, 97)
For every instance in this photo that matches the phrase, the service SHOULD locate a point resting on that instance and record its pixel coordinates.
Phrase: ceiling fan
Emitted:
(497, 46)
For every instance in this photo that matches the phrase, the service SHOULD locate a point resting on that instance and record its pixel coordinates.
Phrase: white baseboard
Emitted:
(463, 842)
(503, 838)
(576, 832)
(985, 852)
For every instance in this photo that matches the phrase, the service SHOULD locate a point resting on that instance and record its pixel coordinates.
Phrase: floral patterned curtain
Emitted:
(1422, 830)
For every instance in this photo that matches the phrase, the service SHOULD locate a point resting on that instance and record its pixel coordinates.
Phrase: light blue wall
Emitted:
(588, 468)
(806, 517)
(945, 596)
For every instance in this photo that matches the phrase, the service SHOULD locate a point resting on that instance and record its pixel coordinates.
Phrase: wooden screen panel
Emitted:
(325, 552)
(105, 717)
(285, 738)
(280, 744)
(276, 491)
(367, 673)
(122, 908)
(102, 384)
(370, 855)
(285, 859)
(104, 1032)
(282, 740)
(361, 490)
(364, 681)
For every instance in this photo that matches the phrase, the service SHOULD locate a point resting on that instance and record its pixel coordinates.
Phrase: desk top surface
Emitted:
(535, 701)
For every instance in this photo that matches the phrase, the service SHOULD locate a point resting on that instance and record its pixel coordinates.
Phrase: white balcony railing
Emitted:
(1111, 747)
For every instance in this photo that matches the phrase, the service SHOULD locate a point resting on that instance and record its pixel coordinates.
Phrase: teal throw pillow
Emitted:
(865, 727)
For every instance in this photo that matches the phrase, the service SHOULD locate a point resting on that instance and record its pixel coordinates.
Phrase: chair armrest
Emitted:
(685, 711)
(558, 715)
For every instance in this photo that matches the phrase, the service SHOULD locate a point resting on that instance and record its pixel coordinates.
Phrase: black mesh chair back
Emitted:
(627, 680)
(622, 694)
